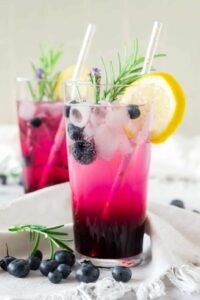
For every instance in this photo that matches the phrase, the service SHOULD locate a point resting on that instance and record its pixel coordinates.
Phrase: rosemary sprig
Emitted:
(129, 70)
(45, 74)
(51, 234)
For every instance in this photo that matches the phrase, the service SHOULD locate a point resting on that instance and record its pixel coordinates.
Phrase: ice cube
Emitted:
(106, 143)
(80, 114)
(98, 115)
(27, 110)
(117, 117)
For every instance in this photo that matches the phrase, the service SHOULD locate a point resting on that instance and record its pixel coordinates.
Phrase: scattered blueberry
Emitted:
(55, 276)
(178, 203)
(64, 257)
(84, 152)
(133, 111)
(87, 272)
(35, 122)
(38, 254)
(26, 160)
(34, 262)
(48, 265)
(121, 273)
(196, 211)
(75, 132)
(19, 268)
(5, 261)
(3, 179)
(68, 107)
(64, 269)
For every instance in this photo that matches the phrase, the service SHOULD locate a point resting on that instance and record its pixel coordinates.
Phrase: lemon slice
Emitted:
(167, 97)
(67, 75)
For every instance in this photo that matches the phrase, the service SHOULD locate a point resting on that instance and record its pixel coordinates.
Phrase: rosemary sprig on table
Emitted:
(129, 70)
(51, 234)
(45, 74)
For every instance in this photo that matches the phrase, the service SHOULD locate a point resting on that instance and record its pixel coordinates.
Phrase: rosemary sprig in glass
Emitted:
(45, 75)
(129, 70)
(51, 234)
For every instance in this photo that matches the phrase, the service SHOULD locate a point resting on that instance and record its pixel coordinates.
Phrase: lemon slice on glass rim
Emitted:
(67, 75)
(168, 99)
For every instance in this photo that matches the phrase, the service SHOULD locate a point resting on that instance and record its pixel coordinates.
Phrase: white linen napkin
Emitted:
(175, 252)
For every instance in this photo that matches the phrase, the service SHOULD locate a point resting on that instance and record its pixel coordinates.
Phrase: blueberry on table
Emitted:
(178, 203)
(48, 265)
(64, 269)
(3, 179)
(84, 152)
(87, 273)
(75, 132)
(55, 276)
(38, 254)
(34, 262)
(120, 273)
(5, 261)
(35, 122)
(133, 111)
(19, 268)
(64, 257)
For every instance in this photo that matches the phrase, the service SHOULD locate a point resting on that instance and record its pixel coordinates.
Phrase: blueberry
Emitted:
(133, 111)
(19, 268)
(48, 265)
(26, 160)
(38, 254)
(64, 269)
(35, 122)
(55, 276)
(68, 107)
(5, 261)
(75, 132)
(34, 262)
(3, 179)
(84, 152)
(121, 273)
(178, 203)
(64, 257)
(87, 273)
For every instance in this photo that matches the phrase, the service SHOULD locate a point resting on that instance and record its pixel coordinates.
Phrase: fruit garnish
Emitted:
(67, 75)
(167, 98)
(51, 234)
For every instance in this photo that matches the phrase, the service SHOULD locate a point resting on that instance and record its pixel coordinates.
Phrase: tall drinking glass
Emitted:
(108, 156)
(38, 125)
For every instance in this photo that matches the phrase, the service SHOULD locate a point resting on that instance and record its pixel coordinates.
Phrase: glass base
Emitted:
(109, 263)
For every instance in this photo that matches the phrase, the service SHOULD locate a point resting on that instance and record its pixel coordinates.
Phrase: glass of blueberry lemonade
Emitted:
(108, 157)
(38, 123)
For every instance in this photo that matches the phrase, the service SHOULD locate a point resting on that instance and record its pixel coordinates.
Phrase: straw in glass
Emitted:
(153, 42)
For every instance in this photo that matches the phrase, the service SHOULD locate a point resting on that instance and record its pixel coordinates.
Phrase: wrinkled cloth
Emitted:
(172, 252)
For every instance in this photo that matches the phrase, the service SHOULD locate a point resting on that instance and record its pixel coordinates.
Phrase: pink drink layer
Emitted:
(38, 124)
(109, 194)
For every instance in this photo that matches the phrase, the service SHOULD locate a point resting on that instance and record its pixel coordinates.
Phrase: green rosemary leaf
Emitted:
(119, 62)
(112, 72)
(54, 232)
(105, 70)
(51, 249)
(62, 245)
(33, 94)
(37, 242)
(54, 227)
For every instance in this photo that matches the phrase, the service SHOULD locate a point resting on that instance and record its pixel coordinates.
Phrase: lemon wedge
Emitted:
(67, 75)
(168, 100)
